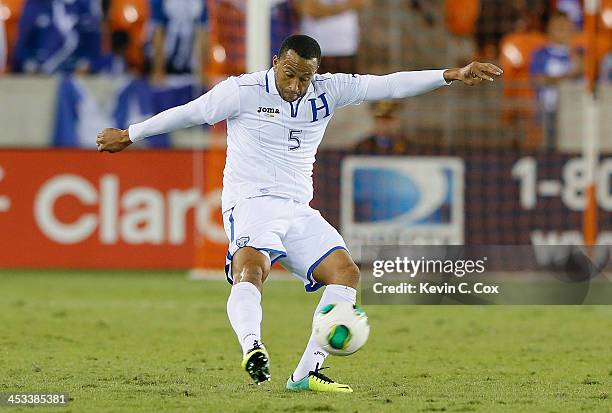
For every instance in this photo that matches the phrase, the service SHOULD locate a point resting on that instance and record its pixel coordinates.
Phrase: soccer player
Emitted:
(275, 122)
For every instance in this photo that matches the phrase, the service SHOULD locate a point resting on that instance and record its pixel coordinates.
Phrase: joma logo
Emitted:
(268, 110)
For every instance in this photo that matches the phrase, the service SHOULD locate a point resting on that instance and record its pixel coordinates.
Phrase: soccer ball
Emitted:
(341, 328)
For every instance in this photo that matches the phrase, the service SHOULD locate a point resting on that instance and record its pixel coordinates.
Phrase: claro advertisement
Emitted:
(136, 209)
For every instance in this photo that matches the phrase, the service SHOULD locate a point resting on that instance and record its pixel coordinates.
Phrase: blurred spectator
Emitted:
(551, 64)
(461, 16)
(518, 106)
(605, 72)
(496, 18)
(227, 38)
(387, 138)
(115, 62)
(228, 31)
(58, 36)
(285, 22)
(131, 17)
(425, 9)
(179, 38)
(500, 17)
(335, 25)
(574, 11)
(606, 17)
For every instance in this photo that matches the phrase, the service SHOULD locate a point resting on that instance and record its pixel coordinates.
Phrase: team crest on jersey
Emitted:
(269, 112)
(242, 241)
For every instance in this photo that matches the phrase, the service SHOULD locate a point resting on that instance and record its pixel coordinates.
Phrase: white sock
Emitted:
(244, 312)
(314, 355)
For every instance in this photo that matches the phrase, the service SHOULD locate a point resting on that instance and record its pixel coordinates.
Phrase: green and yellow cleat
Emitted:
(257, 364)
(316, 381)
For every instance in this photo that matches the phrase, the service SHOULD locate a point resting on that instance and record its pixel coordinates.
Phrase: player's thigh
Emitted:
(255, 226)
(250, 264)
(313, 242)
(337, 268)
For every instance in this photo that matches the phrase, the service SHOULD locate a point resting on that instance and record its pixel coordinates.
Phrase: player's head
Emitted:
(296, 63)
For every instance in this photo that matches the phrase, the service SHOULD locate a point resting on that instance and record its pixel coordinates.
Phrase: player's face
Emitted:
(293, 75)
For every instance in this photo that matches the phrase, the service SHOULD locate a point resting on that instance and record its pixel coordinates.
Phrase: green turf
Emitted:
(136, 342)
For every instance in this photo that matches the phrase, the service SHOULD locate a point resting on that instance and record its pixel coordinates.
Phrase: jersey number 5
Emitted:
(294, 139)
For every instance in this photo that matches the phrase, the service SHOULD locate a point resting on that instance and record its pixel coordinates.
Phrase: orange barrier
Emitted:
(210, 252)
(82, 209)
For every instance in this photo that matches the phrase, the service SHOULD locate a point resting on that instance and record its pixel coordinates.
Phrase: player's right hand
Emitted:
(113, 140)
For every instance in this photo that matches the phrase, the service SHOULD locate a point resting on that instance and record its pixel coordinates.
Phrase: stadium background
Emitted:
(522, 179)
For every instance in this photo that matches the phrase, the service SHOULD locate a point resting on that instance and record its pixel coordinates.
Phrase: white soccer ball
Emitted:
(341, 328)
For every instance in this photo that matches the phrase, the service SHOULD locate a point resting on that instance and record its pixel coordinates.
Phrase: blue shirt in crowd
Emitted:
(552, 61)
(181, 21)
(57, 35)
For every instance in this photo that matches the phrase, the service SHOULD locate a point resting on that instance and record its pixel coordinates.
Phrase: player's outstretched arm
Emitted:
(405, 84)
(221, 102)
(114, 140)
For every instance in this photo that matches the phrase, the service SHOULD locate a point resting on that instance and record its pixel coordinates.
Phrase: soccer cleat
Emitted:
(257, 363)
(316, 381)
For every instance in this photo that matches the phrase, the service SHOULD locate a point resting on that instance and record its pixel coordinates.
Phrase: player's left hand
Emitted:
(474, 73)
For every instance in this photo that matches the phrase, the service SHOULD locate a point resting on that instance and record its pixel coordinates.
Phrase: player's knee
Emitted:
(250, 265)
(250, 271)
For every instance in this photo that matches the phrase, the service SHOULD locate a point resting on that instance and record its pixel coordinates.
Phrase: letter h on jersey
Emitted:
(316, 109)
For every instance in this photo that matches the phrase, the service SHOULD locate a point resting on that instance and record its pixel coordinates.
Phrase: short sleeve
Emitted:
(348, 89)
(221, 102)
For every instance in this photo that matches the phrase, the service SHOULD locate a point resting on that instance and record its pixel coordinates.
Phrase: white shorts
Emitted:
(287, 231)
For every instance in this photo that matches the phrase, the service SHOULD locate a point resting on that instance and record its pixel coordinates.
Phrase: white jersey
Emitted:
(272, 143)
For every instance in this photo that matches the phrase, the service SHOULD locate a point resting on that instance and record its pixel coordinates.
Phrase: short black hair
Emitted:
(305, 46)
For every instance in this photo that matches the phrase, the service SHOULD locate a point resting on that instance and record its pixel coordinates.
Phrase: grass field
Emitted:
(140, 342)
